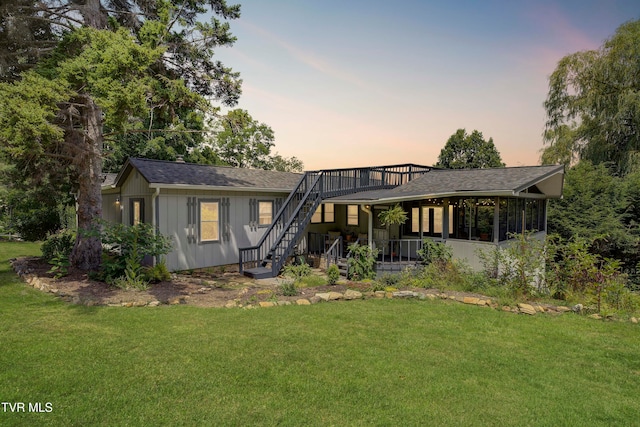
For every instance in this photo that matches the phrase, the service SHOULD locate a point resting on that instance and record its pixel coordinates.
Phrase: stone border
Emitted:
(530, 309)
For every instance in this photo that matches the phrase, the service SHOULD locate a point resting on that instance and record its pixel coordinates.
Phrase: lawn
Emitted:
(373, 362)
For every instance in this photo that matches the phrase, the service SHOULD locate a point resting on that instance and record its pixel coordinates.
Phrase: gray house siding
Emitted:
(178, 217)
(135, 187)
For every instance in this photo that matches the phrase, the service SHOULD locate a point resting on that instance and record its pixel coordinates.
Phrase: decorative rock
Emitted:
(324, 296)
(577, 308)
(266, 304)
(388, 295)
(335, 296)
(595, 316)
(230, 304)
(303, 301)
(404, 294)
(139, 303)
(482, 302)
(350, 294)
(431, 296)
(470, 300)
(562, 309)
(634, 320)
(127, 304)
(526, 309)
(539, 308)
(379, 294)
(506, 308)
(315, 299)
(284, 302)
(154, 303)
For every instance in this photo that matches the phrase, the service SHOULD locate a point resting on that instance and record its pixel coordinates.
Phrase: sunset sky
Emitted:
(357, 83)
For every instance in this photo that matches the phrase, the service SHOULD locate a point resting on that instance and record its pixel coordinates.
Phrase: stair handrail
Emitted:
(334, 249)
(276, 265)
(275, 222)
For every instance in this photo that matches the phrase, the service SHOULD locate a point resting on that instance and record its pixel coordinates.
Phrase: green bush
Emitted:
(56, 250)
(34, 221)
(157, 273)
(124, 248)
(519, 266)
(297, 271)
(437, 252)
(389, 279)
(58, 245)
(333, 274)
(59, 266)
(362, 261)
(288, 288)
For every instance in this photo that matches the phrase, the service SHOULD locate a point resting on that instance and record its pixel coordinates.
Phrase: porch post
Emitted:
(445, 219)
(370, 227)
(420, 221)
(369, 210)
(496, 220)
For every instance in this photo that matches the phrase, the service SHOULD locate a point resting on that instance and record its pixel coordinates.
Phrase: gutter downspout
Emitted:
(154, 212)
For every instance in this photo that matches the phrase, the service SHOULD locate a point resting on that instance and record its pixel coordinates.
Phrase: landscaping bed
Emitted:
(230, 289)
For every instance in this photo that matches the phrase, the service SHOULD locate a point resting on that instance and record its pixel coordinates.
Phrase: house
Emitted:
(257, 219)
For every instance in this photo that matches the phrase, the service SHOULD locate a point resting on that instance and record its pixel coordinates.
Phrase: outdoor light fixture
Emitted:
(118, 200)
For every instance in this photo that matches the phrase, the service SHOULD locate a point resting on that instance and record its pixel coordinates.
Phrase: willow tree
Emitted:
(117, 65)
(593, 104)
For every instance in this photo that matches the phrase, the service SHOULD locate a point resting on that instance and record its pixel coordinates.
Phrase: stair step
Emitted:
(258, 273)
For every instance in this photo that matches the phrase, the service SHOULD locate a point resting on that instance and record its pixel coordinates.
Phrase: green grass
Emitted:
(373, 362)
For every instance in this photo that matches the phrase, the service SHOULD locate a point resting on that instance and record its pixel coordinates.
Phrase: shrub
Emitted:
(157, 273)
(33, 221)
(124, 248)
(333, 274)
(437, 252)
(390, 279)
(56, 250)
(288, 288)
(297, 271)
(58, 245)
(518, 266)
(362, 260)
(133, 277)
(59, 266)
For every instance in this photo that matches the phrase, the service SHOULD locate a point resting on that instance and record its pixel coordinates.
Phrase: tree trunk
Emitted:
(87, 251)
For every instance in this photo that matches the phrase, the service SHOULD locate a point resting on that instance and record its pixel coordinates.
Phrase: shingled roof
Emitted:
(167, 174)
(544, 180)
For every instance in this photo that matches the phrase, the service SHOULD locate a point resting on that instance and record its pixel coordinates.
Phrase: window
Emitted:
(437, 219)
(265, 213)
(316, 218)
(324, 213)
(352, 214)
(137, 211)
(415, 219)
(209, 221)
(329, 212)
